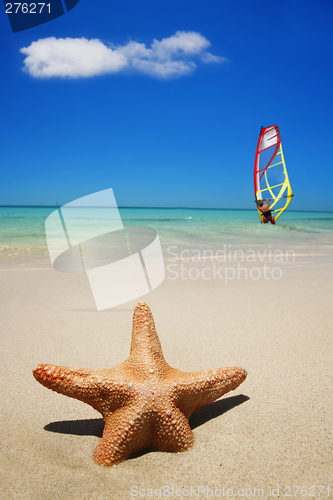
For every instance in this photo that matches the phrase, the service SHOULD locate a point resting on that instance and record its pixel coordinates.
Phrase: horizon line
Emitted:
(161, 208)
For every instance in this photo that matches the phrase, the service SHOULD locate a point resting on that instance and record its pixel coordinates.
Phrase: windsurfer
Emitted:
(264, 209)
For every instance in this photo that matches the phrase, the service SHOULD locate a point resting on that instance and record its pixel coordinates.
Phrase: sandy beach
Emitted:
(174, 155)
(271, 435)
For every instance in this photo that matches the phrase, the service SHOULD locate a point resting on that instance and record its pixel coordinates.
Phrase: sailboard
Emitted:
(270, 173)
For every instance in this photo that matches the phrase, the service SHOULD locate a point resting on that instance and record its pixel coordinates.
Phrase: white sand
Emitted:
(274, 431)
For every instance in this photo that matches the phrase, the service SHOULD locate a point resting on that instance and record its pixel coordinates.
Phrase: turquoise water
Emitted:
(236, 226)
(22, 229)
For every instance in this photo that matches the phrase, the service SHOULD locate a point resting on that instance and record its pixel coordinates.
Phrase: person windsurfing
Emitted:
(264, 209)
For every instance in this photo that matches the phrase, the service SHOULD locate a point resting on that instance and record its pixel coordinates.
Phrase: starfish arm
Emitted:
(146, 351)
(93, 387)
(172, 431)
(201, 388)
(126, 431)
(68, 381)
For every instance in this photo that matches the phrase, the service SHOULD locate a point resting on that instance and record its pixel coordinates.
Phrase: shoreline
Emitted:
(195, 253)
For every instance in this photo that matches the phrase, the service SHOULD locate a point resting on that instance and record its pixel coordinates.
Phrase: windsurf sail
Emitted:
(270, 173)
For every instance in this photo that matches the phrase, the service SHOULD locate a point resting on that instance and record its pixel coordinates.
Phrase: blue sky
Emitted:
(173, 122)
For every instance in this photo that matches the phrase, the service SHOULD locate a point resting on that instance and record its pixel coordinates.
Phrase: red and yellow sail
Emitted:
(270, 173)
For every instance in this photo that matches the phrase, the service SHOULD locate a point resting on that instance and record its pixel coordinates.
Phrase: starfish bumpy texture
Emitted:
(145, 403)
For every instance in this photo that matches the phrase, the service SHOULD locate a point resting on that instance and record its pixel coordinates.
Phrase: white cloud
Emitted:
(71, 57)
(82, 58)
(189, 43)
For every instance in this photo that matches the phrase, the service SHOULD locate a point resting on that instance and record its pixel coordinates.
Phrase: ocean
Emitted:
(22, 229)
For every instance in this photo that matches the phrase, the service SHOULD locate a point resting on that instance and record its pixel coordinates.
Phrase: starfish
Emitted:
(145, 403)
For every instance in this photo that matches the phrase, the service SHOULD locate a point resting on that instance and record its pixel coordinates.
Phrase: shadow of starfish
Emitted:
(87, 427)
(208, 412)
(95, 426)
